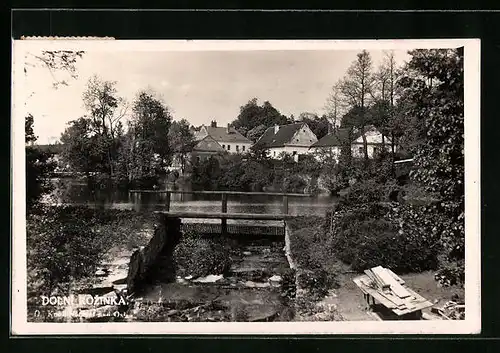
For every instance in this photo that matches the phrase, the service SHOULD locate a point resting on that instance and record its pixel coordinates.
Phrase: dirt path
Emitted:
(349, 300)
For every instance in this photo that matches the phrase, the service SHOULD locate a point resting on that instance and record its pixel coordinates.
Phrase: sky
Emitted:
(199, 86)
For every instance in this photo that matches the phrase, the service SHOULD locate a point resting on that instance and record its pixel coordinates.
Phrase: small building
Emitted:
(228, 137)
(331, 144)
(292, 139)
(207, 147)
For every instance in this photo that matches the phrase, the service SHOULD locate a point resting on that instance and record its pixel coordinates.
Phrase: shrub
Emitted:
(63, 245)
(199, 257)
(364, 238)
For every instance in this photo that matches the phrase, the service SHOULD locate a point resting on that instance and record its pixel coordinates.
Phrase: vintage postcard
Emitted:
(245, 187)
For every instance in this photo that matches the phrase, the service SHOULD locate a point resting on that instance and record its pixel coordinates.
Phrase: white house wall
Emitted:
(303, 137)
(373, 136)
(235, 147)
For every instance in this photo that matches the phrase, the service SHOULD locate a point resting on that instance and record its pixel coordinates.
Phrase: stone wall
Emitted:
(166, 234)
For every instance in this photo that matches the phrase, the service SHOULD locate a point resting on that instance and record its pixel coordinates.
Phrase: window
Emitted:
(237, 148)
(274, 153)
(360, 150)
(294, 153)
(243, 148)
(229, 147)
(224, 146)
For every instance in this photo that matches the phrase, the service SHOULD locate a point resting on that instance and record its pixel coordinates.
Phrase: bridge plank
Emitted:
(210, 192)
(244, 216)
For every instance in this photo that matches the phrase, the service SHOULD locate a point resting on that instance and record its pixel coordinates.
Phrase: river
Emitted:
(256, 260)
(76, 192)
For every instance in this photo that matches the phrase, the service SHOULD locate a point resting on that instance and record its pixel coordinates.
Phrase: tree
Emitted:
(435, 85)
(252, 115)
(106, 109)
(318, 125)
(149, 130)
(387, 93)
(56, 62)
(335, 105)
(83, 149)
(357, 89)
(181, 141)
(255, 133)
(38, 167)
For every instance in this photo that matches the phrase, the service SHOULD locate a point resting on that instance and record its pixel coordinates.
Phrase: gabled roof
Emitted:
(208, 144)
(341, 136)
(283, 136)
(220, 134)
(336, 138)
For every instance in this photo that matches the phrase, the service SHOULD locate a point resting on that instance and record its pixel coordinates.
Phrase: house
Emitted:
(331, 144)
(207, 147)
(227, 137)
(292, 139)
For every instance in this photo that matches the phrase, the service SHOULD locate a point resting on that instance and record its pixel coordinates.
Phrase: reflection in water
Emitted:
(74, 192)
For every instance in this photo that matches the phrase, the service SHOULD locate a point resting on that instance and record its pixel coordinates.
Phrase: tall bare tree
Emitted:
(357, 90)
(388, 92)
(335, 104)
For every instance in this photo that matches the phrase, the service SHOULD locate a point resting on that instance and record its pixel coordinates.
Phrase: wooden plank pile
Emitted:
(390, 290)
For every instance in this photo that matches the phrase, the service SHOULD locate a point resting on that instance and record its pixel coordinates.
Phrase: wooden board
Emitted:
(413, 303)
(386, 278)
(376, 280)
(395, 276)
(213, 215)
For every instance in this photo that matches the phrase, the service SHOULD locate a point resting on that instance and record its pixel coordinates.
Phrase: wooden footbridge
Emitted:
(223, 215)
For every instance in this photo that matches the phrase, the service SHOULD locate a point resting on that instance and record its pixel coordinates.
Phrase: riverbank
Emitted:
(325, 286)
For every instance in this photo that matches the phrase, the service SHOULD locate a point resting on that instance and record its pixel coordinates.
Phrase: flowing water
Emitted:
(254, 282)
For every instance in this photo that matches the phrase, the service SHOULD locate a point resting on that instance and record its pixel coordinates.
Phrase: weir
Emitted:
(259, 261)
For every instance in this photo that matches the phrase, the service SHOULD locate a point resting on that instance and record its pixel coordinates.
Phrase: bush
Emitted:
(66, 243)
(363, 238)
(63, 245)
(199, 257)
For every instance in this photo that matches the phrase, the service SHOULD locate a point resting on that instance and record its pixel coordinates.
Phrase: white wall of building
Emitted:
(236, 147)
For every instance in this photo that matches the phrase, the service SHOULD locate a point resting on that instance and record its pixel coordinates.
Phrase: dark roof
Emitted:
(208, 144)
(339, 137)
(336, 138)
(220, 134)
(284, 135)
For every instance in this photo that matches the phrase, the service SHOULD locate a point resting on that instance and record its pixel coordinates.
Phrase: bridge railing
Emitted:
(224, 215)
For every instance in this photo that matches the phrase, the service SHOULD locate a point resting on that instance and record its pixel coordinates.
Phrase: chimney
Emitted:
(329, 128)
(228, 130)
(276, 129)
(213, 123)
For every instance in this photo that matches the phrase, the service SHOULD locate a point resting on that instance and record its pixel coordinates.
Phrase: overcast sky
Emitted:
(197, 86)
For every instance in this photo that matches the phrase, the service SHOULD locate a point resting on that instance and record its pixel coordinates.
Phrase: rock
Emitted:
(172, 312)
(180, 280)
(100, 272)
(252, 284)
(275, 278)
(247, 253)
(209, 279)
(188, 277)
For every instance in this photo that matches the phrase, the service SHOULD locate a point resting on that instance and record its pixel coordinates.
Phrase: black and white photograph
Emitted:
(233, 187)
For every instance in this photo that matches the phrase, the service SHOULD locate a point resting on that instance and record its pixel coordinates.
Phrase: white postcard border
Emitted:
(472, 322)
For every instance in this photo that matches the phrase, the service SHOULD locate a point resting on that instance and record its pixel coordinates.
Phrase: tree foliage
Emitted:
(56, 61)
(436, 87)
(181, 141)
(39, 165)
(252, 115)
